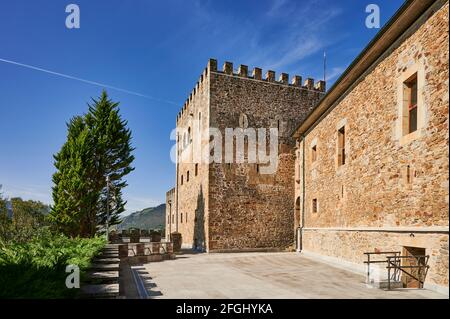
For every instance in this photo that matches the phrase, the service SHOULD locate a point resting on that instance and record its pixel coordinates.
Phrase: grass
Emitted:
(36, 269)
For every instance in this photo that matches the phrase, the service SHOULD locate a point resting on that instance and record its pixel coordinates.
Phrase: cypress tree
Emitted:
(113, 156)
(98, 145)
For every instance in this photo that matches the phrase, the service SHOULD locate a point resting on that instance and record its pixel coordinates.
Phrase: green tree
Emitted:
(113, 156)
(5, 222)
(74, 193)
(28, 217)
(98, 145)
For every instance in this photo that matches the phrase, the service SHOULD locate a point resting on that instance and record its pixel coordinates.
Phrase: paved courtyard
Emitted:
(259, 275)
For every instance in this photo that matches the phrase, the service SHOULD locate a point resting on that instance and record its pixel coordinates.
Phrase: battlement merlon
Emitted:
(242, 71)
(256, 74)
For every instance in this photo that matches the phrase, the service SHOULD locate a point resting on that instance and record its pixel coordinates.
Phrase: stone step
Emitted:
(100, 291)
(394, 284)
(103, 277)
(104, 267)
(110, 251)
(106, 260)
(111, 246)
(107, 255)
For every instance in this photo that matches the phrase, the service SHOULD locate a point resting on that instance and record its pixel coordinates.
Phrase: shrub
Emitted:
(36, 269)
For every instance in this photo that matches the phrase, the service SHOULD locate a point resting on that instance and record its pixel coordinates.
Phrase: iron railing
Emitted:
(395, 262)
(395, 267)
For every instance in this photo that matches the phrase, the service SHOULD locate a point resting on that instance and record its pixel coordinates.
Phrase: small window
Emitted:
(408, 175)
(314, 153)
(411, 98)
(257, 168)
(187, 176)
(196, 169)
(181, 179)
(173, 219)
(341, 146)
(185, 140)
(181, 219)
(314, 205)
(186, 217)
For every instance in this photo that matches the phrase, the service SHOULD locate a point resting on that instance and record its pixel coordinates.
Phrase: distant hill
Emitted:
(148, 218)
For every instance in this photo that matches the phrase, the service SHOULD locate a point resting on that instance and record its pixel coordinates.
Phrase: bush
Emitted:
(36, 269)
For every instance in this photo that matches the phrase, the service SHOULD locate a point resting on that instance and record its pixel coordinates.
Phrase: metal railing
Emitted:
(369, 261)
(395, 262)
(395, 266)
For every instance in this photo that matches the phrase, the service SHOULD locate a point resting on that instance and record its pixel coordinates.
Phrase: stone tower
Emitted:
(226, 206)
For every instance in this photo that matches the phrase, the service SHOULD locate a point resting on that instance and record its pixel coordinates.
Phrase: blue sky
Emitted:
(157, 49)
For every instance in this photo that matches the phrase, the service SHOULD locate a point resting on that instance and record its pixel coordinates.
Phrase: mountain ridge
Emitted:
(148, 218)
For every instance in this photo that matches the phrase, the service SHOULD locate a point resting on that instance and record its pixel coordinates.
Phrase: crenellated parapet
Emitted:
(270, 76)
(195, 91)
(256, 74)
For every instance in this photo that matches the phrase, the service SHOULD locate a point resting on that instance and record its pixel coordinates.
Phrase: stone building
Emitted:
(372, 157)
(230, 205)
(170, 200)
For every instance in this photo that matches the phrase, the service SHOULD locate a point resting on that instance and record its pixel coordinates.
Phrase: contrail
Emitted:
(88, 81)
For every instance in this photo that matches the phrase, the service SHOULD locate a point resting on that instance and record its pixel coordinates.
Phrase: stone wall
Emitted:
(191, 193)
(351, 246)
(389, 180)
(170, 211)
(248, 209)
(229, 207)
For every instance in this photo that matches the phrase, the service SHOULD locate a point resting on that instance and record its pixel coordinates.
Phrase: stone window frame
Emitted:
(342, 124)
(314, 144)
(342, 193)
(315, 203)
(404, 137)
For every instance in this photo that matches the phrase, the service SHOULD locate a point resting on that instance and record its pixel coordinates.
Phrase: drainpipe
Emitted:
(302, 222)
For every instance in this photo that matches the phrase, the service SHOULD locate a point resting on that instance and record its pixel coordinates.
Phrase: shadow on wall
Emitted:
(199, 223)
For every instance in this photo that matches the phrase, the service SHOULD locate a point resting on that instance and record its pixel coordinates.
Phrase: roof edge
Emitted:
(404, 17)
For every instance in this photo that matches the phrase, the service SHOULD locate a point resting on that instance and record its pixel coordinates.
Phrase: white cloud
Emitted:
(280, 39)
(334, 73)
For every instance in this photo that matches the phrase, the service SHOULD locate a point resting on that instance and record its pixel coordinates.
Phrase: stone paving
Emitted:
(260, 275)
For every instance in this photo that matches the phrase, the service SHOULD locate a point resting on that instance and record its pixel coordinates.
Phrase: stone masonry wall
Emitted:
(192, 194)
(389, 180)
(247, 209)
(170, 204)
